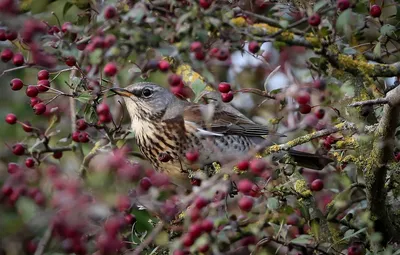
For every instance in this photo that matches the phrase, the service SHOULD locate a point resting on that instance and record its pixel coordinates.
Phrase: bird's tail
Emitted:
(309, 160)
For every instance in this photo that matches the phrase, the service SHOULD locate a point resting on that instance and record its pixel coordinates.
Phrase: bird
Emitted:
(167, 127)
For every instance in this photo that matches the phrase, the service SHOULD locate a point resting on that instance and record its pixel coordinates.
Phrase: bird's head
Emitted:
(146, 101)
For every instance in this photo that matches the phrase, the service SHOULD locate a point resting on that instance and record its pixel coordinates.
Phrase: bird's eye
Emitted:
(146, 93)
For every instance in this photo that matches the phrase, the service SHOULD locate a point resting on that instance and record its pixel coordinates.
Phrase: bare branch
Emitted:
(370, 102)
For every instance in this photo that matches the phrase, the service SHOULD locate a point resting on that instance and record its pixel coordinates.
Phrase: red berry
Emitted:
(207, 225)
(11, 119)
(105, 118)
(57, 154)
(43, 75)
(110, 12)
(34, 101)
(199, 55)
(6, 190)
(257, 166)
(319, 84)
(32, 91)
(11, 35)
(245, 203)
(195, 230)
(293, 219)
(6, 55)
(320, 113)
(81, 46)
(317, 185)
(43, 85)
(27, 126)
(3, 35)
(109, 40)
(245, 186)
(18, 59)
(304, 108)
(39, 108)
(31, 246)
(375, 11)
(314, 20)
(204, 248)
(66, 27)
(303, 97)
(254, 47)
(110, 69)
(397, 157)
(354, 250)
(187, 240)
(18, 149)
(102, 108)
(178, 252)
(192, 156)
(224, 87)
(343, 4)
(227, 97)
(223, 54)
(29, 162)
(130, 219)
(70, 61)
(12, 168)
(205, 4)
(75, 136)
(243, 165)
(145, 183)
(214, 52)
(200, 202)
(174, 80)
(81, 124)
(123, 203)
(83, 137)
(196, 46)
(194, 214)
(163, 65)
(16, 84)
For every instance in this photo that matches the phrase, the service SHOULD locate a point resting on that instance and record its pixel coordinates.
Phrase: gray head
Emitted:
(146, 101)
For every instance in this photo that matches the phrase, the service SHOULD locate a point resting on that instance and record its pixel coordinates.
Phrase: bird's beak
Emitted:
(121, 92)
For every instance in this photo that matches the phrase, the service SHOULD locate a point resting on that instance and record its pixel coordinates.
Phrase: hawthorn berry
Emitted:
(34, 100)
(375, 11)
(32, 91)
(174, 80)
(223, 54)
(204, 248)
(109, 40)
(83, 137)
(196, 46)
(110, 12)
(66, 27)
(11, 118)
(12, 168)
(199, 55)
(29, 162)
(81, 124)
(245, 186)
(224, 87)
(6, 190)
(57, 154)
(319, 84)
(320, 113)
(303, 97)
(257, 166)
(354, 250)
(145, 183)
(163, 65)
(343, 4)
(200, 202)
(39, 108)
(18, 59)
(243, 165)
(195, 230)
(187, 240)
(246, 203)
(18, 149)
(192, 156)
(103, 108)
(6, 55)
(110, 69)
(130, 219)
(70, 61)
(314, 20)
(43, 75)
(304, 108)
(123, 203)
(75, 136)
(254, 47)
(207, 225)
(16, 84)
(3, 35)
(27, 127)
(205, 4)
(43, 85)
(227, 97)
(317, 185)
(292, 219)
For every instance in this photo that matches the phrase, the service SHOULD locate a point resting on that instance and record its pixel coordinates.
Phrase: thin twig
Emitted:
(44, 241)
(370, 102)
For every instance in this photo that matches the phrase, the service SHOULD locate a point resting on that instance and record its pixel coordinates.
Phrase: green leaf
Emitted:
(272, 203)
(27, 208)
(315, 228)
(96, 57)
(198, 87)
(377, 50)
(142, 221)
(349, 234)
(303, 239)
(67, 6)
(39, 6)
(84, 97)
(387, 29)
(319, 5)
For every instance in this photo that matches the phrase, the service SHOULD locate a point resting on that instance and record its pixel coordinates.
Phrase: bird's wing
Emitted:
(222, 122)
